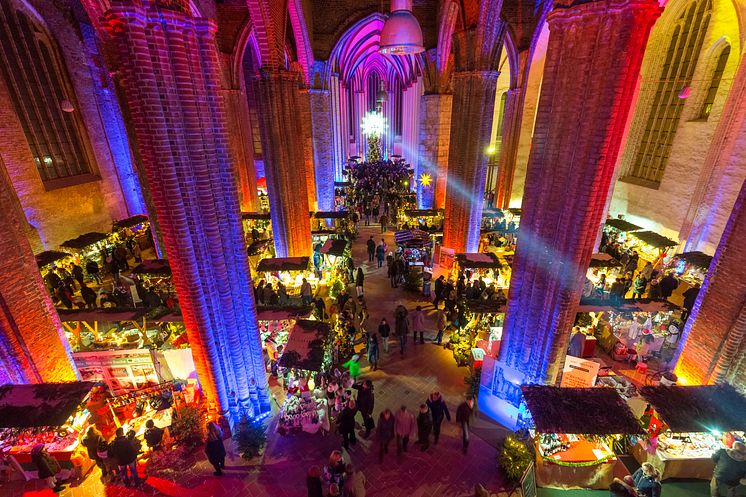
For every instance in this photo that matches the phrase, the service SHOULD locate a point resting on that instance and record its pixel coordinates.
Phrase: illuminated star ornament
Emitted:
(373, 124)
(425, 179)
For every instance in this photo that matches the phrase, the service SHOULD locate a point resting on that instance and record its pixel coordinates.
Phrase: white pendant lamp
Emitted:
(401, 33)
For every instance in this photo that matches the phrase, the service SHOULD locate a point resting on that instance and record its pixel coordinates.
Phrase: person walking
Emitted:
(402, 327)
(384, 330)
(730, 469)
(372, 347)
(371, 243)
(404, 426)
(647, 481)
(384, 220)
(92, 269)
(380, 254)
(385, 432)
(214, 448)
(125, 454)
(440, 285)
(92, 441)
(346, 423)
(424, 427)
(365, 403)
(442, 323)
(354, 485)
(438, 410)
(393, 274)
(463, 417)
(418, 324)
(359, 281)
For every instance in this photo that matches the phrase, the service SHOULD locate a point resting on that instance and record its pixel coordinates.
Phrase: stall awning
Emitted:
(255, 215)
(325, 231)
(106, 315)
(478, 260)
(622, 225)
(412, 238)
(580, 411)
(516, 211)
(85, 240)
(45, 404)
(602, 260)
(331, 214)
(484, 306)
(627, 305)
(423, 212)
(283, 264)
(699, 259)
(258, 246)
(305, 346)
(282, 313)
(493, 213)
(158, 267)
(654, 239)
(130, 222)
(50, 257)
(698, 409)
(334, 247)
(342, 184)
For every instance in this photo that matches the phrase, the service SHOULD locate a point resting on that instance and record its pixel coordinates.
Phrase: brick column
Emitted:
(711, 346)
(323, 153)
(168, 65)
(33, 348)
(284, 161)
(593, 60)
(242, 147)
(435, 138)
(304, 115)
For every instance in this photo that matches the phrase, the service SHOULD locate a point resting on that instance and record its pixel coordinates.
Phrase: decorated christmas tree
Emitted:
(374, 148)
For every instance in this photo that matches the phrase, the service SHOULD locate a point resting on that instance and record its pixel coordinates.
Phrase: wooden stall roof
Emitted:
(44, 404)
(626, 305)
(622, 225)
(601, 260)
(331, 214)
(423, 212)
(130, 221)
(478, 260)
(654, 239)
(50, 257)
(278, 313)
(696, 409)
(480, 306)
(580, 411)
(255, 215)
(699, 259)
(305, 346)
(258, 246)
(153, 266)
(85, 240)
(493, 213)
(283, 264)
(333, 246)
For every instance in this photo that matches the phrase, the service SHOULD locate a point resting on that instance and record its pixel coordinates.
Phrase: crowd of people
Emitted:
(378, 191)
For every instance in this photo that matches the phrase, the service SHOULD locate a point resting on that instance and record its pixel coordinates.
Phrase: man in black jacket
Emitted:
(125, 454)
(365, 402)
(463, 418)
(439, 410)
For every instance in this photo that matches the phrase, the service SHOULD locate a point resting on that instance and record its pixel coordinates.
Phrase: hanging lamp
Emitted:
(401, 33)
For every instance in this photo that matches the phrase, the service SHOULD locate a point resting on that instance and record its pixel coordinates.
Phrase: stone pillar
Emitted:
(33, 348)
(711, 346)
(242, 147)
(593, 61)
(168, 65)
(435, 137)
(323, 153)
(722, 174)
(284, 162)
(304, 106)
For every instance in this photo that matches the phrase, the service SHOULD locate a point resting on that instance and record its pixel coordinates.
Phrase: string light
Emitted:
(373, 124)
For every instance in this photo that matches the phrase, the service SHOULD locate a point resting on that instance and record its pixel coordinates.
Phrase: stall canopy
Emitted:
(331, 214)
(50, 257)
(255, 215)
(45, 404)
(130, 222)
(258, 246)
(603, 261)
(484, 306)
(105, 315)
(158, 267)
(516, 211)
(654, 239)
(478, 260)
(422, 212)
(622, 225)
(85, 240)
(627, 305)
(342, 184)
(493, 213)
(580, 411)
(306, 345)
(412, 238)
(283, 264)
(283, 313)
(334, 247)
(698, 409)
(699, 259)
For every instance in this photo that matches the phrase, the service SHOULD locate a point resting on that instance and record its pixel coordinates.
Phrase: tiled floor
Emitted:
(442, 471)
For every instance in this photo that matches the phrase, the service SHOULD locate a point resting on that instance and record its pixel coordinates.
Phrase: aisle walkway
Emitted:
(442, 471)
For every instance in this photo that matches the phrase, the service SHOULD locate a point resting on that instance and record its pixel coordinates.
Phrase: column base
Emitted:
(500, 396)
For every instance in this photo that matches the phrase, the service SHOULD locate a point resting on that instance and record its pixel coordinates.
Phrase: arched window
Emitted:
(676, 73)
(37, 89)
(712, 91)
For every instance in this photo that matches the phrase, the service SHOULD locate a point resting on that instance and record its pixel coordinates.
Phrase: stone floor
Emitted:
(441, 471)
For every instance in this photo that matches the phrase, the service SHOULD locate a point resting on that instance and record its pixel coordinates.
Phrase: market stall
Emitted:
(289, 270)
(305, 356)
(341, 192)
(651, 246)
(256, 226)
(690, 267)
(575, 430)
(135, 226)
(155, 275)
(485, 265)
(429, 220)
(275, 324)
(686, 425)
(87, 247)
(49, 259)
(415, 246)
(603, 270)
(480, 337)
(338, 221)
(52, 414)
(331, 260)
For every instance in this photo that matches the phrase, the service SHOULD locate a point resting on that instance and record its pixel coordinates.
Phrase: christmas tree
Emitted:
(374, 148)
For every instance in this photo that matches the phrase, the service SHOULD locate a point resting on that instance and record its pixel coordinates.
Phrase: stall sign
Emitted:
(447, 257)
(579, 373)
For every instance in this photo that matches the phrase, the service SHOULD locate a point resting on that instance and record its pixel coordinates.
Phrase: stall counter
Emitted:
(674, 467)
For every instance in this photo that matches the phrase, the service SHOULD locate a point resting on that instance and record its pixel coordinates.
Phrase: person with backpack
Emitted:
(124, 453)
(92, 441)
